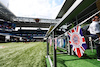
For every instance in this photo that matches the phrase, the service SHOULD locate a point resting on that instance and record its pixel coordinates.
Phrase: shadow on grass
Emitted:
(85, 56)
(61, 61)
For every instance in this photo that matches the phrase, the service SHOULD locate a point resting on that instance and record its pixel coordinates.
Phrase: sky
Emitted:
(47, 9)
(5, 2)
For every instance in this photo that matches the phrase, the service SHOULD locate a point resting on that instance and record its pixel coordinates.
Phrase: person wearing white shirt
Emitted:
(94, 29)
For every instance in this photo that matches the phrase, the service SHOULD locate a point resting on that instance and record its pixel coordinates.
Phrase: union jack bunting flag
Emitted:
(77, 40)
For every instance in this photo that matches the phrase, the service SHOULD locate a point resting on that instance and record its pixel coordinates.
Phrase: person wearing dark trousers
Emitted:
(94, 29)
(98, 51)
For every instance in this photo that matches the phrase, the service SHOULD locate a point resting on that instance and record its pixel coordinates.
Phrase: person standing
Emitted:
(94, 29)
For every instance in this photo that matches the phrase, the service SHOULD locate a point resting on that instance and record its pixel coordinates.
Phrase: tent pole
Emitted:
(47, 48)
(54, 51)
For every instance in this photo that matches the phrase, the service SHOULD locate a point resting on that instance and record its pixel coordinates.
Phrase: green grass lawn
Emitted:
(23, 54)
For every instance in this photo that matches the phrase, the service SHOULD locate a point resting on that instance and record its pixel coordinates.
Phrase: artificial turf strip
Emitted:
(47, 62)
(23, 54)
(88, 60)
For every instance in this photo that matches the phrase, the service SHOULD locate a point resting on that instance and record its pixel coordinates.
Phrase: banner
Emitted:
(50, 42)
(64, 43)
(55, 43)
(77, 41)
(60, 42)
